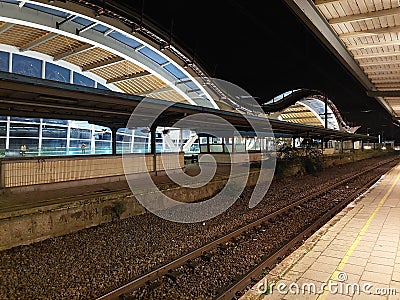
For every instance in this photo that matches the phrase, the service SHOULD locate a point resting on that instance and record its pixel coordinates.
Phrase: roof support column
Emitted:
(322, 144)
(153, 149)
(341, 146)
(326, 111)
(114, 140)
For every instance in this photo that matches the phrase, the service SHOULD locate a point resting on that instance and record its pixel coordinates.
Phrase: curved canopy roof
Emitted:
(99, 46)
(306, 106)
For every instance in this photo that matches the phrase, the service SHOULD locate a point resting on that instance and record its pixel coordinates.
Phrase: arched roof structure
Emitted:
(306, 106)
(99, 45)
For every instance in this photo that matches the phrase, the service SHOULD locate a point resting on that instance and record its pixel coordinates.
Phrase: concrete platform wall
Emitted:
(33, 225)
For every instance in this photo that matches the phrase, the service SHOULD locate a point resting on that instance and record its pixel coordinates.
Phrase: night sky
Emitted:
(264, 48)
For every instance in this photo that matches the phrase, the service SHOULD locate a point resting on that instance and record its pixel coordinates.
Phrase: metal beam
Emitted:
(393, 93)
(65, 21)
(43, 39)
(383, 69)
(379, 63)
(128, 77)
(387, 86)
(105, 63)
(387, 81)
(366, 16)
(76, 51)
(373, 45)
(310, 15)
(86, 28)
(6, 27)
(302, 118)
(370, 32)
(321, 2)
(382, 76)
(372, 55)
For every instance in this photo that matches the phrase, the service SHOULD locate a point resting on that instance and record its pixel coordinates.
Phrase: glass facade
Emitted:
(50, 137)
(28, 66)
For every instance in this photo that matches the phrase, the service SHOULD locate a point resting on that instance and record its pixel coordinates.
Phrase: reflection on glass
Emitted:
(57, 73)
(79, 79)
(24, 130)
(4, 61)
(27, 66)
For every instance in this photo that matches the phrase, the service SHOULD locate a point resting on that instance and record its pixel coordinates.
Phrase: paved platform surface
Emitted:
(356, 255)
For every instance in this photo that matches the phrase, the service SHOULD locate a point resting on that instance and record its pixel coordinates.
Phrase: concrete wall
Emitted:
(344, 158)
(32, 225)
(226, 158)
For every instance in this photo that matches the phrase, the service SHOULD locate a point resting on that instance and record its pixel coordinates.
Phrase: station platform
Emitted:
(12, 202)
(28, 217)
(354, 256)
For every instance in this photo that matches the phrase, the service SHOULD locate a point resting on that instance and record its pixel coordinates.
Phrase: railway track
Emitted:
(350, 187)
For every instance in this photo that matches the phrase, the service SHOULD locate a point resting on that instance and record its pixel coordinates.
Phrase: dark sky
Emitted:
(264, 48)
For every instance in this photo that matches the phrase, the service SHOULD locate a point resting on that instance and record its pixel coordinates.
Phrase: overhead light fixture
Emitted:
(99, 12)
(187, 65)
(164, 46)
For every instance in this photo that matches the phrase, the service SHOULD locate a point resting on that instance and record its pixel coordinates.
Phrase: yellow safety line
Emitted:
(353, 246)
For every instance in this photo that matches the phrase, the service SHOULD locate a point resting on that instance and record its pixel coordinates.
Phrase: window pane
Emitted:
(102, 87)
(31, 144)
(3, 129)
(124, 39)
(27, 66)
(54, 147)
(153, 55)
(3, 118)
(76, 145)
(82, 21)
(101, 28)
(53, 121)
(140, 147)
(47, 10)
(10, 1)
(125, 130)
(123, 147)
(123, 138)
(79, 79)
(103, 147)
(2, 147)
(140, 140)
(24, 130)
(175, 71)
(77, 133)
(103, 136)
(54, 132)
(4, 61)
(18, 119)
(57, 73)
